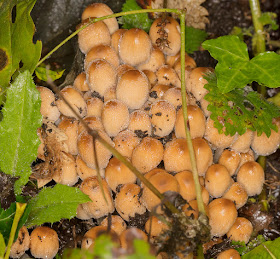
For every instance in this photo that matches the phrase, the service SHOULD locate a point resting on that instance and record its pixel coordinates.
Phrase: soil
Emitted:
(223, 16)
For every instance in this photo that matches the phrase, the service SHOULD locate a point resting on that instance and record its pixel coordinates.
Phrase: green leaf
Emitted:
(141, 21)
(194, 38)
(267, 250)
(43, 73)
(53, 204)
(141, 250)
(18, 129)
(16, 40)
(241, 109)
(2, 246)
(269, 18)
(275, 99)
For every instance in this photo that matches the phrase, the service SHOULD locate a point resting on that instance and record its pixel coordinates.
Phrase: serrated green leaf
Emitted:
(18, 129)
(275, 99)
(194, 38)
(53, 204)
(43, 73)
(2, 246)
(269, 18)
(267, 250)
(141, 21)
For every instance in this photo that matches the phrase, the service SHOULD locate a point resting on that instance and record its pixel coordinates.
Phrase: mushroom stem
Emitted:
(20, 207)
(185, 115)
(91, 21)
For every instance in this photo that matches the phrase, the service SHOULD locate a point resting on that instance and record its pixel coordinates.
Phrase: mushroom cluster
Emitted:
(130, 92)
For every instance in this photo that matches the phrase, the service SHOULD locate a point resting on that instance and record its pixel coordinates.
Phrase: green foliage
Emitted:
(2, 246)
(236, 70)
(141, 21)
(194, 38)
(242, 248)
(275, 99)
(270, 19)
(141, 250)
(266, 250)
(18, 129)
(53, 204)
(241, 109)
(43, 73)
(241, 32)
(16, 40)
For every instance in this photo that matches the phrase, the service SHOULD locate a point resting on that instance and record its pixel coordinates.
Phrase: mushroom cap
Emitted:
(151, 173)
(172, 28)
(83, 212)
(246, 157)
(173, 95)
(229, 254)
(222, 215)
(237, 194)
(166, 75)
(93, 122)
(133, 88)
(116, 173)
(196, 121)
(115, 117)
(98, 10)
(21, 244)
(151, 77)
(44, 242)
(94, 107)
(102, 52)
(147, 155)
(98, 207)
(217, 180)
(75, 99)
(191, 209)
(242, 143)
(116, 36)
(164, 182)
(97, 31)
(129, 235)
(163, 116)
(48, 108)
(101, 76)
(176, 156)
(110, 94)
(204, 104)
(124, 68)
(251, 177)
(116, 223)
(135, 47)
(140, 124)
(157, 92)
(231, 160)
(125, 142)
(241, 230)
(186, 185)
(80, 83)
(154, 227)
(127, 201)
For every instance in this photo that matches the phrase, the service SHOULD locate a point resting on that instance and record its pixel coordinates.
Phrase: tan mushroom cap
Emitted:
(116, 173)
(191, 209)
(163, 182)
(172, 29)
(237, 194)
(140, 124)
(147, 155)
(241, 230)
(151, 77)
(129, 235)
(125, 142)
(196, 121)
(222, 215)
(115, 117)
(98, 207)
(48, 108)
(124, 68)
(251, 177)
(116, 36)
(246, 157)
(166, 75)
(229, 254)
(133, 89)
(217, 180)
(163, 116)
(204, 105)
(97, 31)
(127, 201)
(117, 223)
(75, 99)
(99, 10)
(173, 60)
(173, 95)
(101, 76)
(86, 149)
(135, 47)
(186, 185)
(155, 227)
(93, 122)
(80, 83)
(151, 173)
(176, 156)
(157, 92)
(83, 212)
(242, 143)
(94, 107)
(21, 244)
(231, 160)
(44, 242)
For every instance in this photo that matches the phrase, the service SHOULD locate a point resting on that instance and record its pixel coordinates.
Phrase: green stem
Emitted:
(185, 115)
(20, 207)
(199, 250)
(91, 21)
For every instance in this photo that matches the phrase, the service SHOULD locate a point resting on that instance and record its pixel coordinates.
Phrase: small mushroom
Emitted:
(229, 254)
(44, 242)
(241, 230)
(157, 92)
(124, 68)
(116, 36)
(151, 77)
(191, 209)
(128, 236)
(94, 107)
(186, 185)
(154, 226)
(21, 244)
(93, 122)
(166, 75)
(237, 194)
(231, 160)
(246, 157)
(115, 223)
(140, 124)
(110, 94)
(173, 95)
(80, 83)
(242, 143)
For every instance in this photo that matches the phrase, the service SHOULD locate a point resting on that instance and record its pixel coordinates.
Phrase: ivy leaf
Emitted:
(43, 73)
(53, 204)
(267, 250)
(16, 41)
(2, 246)
(269, 18)
(194, 38)
(141, 21)
(241, 109)
(18, 129)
